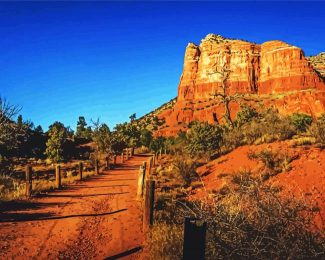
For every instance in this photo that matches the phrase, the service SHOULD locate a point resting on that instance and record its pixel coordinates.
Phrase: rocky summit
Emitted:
(274, 73)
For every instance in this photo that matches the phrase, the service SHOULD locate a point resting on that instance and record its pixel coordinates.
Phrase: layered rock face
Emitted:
(318, 62)
(272, 68)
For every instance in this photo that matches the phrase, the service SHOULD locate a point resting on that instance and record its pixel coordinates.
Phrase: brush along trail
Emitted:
(97, 218)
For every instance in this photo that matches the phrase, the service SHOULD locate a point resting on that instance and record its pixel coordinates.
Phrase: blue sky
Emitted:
(60, 60)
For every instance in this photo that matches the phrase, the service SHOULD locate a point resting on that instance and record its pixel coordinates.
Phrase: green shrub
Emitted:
(317, 130)
(270, 126)
(245, 115)
(252, 127)
(233, 138)
(274, 161)
(301, 121)
(276, 127)
(185, 169)
(204, 139)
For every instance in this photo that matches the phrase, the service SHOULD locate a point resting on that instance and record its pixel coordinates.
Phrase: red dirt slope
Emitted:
(306, 175)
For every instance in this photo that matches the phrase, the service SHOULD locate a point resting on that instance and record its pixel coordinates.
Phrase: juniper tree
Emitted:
(57, 136)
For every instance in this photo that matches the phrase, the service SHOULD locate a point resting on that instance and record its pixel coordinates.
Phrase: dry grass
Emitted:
(165, 242)
(247, 219)
(12, 189)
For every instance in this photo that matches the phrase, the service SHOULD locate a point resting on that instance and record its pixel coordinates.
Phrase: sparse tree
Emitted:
(128, 133)
(20, 121)
(82, 130)
(9, 133)
(158, 143)
(223, 90)
(145, 137)
(103, 138)
(57, 136)
(133, 117)
(224, 95)
(8, 128)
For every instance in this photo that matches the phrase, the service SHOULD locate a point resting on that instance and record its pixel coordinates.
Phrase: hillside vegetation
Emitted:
(150, 121)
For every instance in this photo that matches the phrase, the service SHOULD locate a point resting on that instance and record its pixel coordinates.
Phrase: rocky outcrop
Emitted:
(273, 70)
(318, 62)
(272, 67)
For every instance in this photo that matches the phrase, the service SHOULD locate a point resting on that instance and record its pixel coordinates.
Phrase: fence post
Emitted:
(149, 202)
(122, 157)
(194, 239)
(80, 170)
(114, 159)
(144, 165)
(96, 167)
(126, 155)
(58, 176)
(150, 166)
(29, 176)
(107, 162)
(132, 151)
(153, 159)
(140, 182)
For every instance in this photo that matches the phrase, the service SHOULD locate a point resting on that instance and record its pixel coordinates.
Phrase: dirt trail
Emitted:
(98, 218)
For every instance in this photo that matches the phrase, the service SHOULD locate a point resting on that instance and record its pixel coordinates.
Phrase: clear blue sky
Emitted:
(59, 60)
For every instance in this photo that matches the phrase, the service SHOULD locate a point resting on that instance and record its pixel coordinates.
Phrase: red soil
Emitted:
(305, 178)
(97, 218)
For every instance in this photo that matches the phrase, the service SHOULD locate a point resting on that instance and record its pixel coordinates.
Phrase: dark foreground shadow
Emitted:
(121, 174)
(125, 167)
(19, 205)
(81, 196)
(121, 179)
(107, 186)
(27, 217)
(126, 253)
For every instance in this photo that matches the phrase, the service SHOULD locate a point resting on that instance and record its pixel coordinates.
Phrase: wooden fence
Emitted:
(194, 229)
(80, 167)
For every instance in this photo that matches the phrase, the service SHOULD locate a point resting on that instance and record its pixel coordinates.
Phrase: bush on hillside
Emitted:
(249, 220)
(317, 130)
(273, 162)
(254, 128)
(185, 169)
(245, 115)
(301, 121)
(204, 139)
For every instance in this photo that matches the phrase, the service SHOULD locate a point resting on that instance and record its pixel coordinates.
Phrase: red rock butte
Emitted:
(274, 73)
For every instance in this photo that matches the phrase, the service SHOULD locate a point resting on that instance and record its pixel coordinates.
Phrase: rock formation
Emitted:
(275, 73)
(318, 62)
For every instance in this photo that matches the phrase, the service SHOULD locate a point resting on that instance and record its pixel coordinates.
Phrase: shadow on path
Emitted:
(124, 167)
(121, 179)
(108, 186)
(126, 253)
(25, 217)
(20, 205)
(82, 196)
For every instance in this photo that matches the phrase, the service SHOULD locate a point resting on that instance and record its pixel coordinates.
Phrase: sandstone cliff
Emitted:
(318, 62)
(274, 73)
